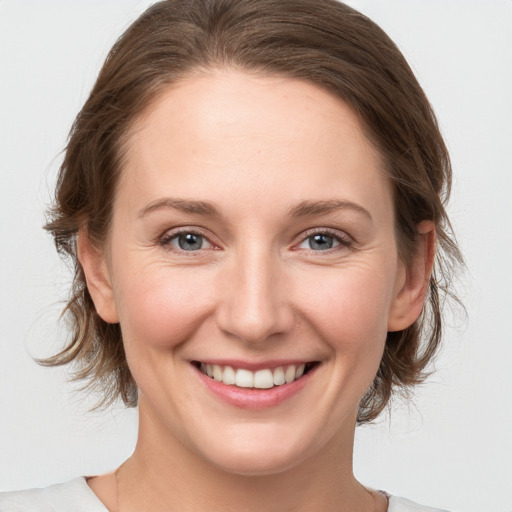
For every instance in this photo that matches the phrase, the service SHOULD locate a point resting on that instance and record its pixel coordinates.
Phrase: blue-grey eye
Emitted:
(189, 241)
(320, 242)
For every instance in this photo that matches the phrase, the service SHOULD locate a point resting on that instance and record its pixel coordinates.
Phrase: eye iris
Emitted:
(321, 242)
(190, 242)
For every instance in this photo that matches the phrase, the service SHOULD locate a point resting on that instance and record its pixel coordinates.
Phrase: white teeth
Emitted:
(261, 379)
(229, 376)
(289, 374)
(217, 372)
(244, 378)
(279, 376)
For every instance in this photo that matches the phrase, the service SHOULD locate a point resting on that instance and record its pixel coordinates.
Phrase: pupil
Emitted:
(190, 242)
(321, 242)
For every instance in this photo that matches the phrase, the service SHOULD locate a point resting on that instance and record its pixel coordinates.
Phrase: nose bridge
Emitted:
(255, 306)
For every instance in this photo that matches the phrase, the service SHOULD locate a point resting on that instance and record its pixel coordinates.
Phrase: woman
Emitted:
(253, 195)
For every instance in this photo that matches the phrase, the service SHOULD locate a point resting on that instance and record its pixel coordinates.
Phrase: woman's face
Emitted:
(252, 238)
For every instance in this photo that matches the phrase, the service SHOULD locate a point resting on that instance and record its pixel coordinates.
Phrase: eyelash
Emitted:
(168, 237)
(344, 241)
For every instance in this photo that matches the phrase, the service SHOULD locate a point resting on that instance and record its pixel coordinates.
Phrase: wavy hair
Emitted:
(322, 41)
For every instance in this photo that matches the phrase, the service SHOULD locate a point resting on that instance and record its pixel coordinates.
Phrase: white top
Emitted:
(76, 496)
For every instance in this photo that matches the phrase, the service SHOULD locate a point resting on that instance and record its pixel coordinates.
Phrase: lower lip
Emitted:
(252, 398)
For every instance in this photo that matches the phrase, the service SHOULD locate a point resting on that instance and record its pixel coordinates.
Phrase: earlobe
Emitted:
(97, 277)
(410, 297)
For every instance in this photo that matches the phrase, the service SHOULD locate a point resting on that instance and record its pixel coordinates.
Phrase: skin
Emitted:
(255, 148)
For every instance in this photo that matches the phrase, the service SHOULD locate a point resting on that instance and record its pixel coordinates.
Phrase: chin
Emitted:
(257, 463)
(259, 450)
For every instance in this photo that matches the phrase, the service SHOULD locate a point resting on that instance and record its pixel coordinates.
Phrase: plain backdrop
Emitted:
(452, 447)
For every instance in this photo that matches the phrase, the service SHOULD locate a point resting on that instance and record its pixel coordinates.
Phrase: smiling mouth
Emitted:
(266, 378)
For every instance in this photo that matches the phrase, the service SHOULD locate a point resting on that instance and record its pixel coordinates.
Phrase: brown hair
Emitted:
(322, 41)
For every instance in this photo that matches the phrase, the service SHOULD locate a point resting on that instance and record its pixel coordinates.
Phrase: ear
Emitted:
(97, 277)
(413, 281)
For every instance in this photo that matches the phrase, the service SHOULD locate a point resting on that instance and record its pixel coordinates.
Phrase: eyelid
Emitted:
(165, 239)
(345, 240)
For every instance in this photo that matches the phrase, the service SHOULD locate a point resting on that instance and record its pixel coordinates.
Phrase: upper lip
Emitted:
(252, 365)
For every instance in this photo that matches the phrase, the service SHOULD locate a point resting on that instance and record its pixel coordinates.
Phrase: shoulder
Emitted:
(74, 495)
(403, 505)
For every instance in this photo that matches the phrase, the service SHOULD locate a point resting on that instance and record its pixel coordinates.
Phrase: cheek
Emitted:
(161, 309)
(349, 307)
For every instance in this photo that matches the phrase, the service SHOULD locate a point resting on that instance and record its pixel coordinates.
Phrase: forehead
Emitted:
(225, 130)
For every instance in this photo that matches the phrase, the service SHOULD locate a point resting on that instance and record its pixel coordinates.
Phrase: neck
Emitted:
(164, 474)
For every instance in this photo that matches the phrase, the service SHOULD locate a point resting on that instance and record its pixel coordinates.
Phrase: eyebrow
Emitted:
(184, 205)
(303, 209)
(306, 208)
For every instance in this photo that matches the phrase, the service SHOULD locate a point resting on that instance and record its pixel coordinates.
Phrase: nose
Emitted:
(255, 301)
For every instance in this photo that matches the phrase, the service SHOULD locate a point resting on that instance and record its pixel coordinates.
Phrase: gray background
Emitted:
(453, 447)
